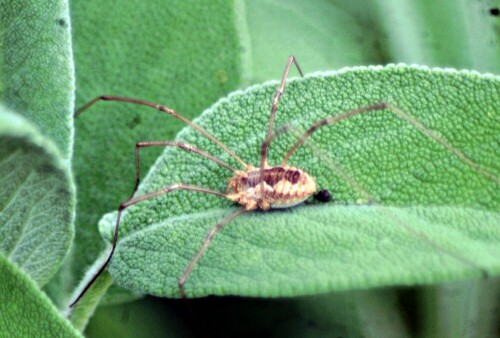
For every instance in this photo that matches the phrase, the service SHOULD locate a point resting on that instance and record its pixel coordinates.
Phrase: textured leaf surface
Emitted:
(37, 199)
(437, 220)
(37, 81)
(25, 311)
(183, 54)
(36, 66)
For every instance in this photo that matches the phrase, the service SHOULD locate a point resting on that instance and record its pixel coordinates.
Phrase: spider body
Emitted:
(281, 187)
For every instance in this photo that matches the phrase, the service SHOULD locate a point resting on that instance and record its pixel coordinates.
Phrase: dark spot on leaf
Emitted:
(221, 76)
(45, 169)
(495, 11)
(136, 121)
(61, 22)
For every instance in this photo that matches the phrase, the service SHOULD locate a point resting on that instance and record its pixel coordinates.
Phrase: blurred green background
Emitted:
(187, 55)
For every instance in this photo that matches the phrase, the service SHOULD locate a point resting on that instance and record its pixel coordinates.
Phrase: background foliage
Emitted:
(188, 55)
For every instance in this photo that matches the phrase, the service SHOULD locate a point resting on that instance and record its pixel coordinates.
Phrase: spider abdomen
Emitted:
(282, 187)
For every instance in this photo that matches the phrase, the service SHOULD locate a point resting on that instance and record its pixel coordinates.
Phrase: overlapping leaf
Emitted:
(36, 67)
(26, 311)
(36, 203)
(37, 82)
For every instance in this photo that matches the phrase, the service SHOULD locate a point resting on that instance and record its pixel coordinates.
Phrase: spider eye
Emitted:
(323, 196)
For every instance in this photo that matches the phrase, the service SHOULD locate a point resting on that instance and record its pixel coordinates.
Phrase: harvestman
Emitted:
(254, 188)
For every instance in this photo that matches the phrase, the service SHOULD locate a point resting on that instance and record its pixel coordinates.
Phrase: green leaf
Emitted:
(183, 54)
(334, 34)
(25, 311)
(148, 317)
(460, 309)
(37, 81)
(36, 66)
(271, 31)
(413, 33)
(37, 200)
(303, 252)
(81, 314)
(359, 313)
(435, 220)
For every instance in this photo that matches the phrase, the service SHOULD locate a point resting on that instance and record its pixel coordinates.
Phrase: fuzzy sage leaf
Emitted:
(436, 219)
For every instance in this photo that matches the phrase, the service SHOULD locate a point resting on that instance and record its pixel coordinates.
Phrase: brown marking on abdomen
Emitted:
(271, 176)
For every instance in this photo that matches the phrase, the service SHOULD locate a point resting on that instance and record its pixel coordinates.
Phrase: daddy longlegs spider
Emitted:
(256, 188)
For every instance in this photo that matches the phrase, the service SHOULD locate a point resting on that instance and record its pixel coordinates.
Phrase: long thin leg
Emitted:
(170, 112)
(206, 243)
(181, 145)
(133, 201)
(277, 95)
(393, 109)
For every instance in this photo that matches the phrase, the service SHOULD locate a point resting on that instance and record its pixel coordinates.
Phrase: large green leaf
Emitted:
(435, 220)
(25, 311)
(37, 199)
(184, 54)
(36, 66)
(37, 81)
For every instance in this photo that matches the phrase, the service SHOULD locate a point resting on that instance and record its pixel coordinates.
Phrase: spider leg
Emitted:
(181, 145)
(277, 95)
(204, 247)
(133, 201)
(168, 111)
(398, 112)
